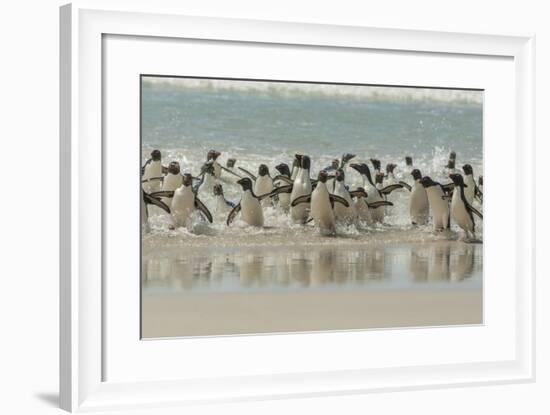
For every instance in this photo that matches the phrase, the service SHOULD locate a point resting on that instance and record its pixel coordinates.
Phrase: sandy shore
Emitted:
(203, 314)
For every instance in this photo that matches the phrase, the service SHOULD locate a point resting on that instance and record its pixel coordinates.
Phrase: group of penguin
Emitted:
(326, 200)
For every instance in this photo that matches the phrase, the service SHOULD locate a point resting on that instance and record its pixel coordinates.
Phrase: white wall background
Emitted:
(29, 220)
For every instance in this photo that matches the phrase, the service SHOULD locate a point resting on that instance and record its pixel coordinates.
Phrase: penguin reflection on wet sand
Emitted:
(461, 211)
(322, 203)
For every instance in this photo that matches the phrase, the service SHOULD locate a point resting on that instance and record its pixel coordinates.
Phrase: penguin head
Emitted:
(263, 170)
(375, 163)
(297, 161)
(283, 169)
(212, 155)
(361, 168)
(347, 157)
(245, 183)
(427, 182)
(379, 178)
(230, 163)
(323, 176)
(390, 167)
(457, 179)
(335, 163)
(416, 174)
(306, 162)
(452, 160)
(155, 155)
(408, 160)
(467, 169)
(187, 180)
(218, 190)
(339, 175)
(174, 167)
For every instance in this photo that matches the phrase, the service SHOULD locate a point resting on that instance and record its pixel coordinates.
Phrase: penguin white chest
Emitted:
(152, 170)
(183, 204)
(418, 205)
(221, 205)
(470, 190)
(217, 169)
(321, 208)
(251, 210)
(301, 187)
(341, 211)
(171, 182)
(376, 214)
(263, 185)
(439, 207)
(459, 212)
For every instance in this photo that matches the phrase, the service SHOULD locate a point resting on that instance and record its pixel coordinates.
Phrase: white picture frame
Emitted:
(84, 26)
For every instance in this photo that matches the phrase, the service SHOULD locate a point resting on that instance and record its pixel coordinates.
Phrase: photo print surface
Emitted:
(275, 206)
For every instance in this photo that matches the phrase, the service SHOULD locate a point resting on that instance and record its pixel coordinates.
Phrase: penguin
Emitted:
(295, 167)
(408, 161)
(379, 180)
(301, 187)
(419, 207)
(461, 211)
(223, 206)
(249, 206)
(172, 180)
(374, 194)
(439, 205)
(208, 179)
(343, 213)
(451, 163)
(390, 176)
(322, 203)
(472, 190)
(263, 184)
(335, 165)
(480, 183)
(283, 177)
(152, 172)
(147, 199)
(185, 202)
(346, 157)
(212, 157)
(376, 165)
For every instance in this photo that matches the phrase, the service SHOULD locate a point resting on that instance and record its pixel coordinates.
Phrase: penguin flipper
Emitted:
(253, 177)
(474, 211)
(150, 200)
(152, 179)
(279, 190)
(200, 206)
(232, 172)
(358, 193)
(378, 204)
(406, 185)
(233, 213)
(388, 189)
(282, 178)
(301, 199)
(145, 165)
(341, 200)
(448, 188)
(345, 158)
(162, 193)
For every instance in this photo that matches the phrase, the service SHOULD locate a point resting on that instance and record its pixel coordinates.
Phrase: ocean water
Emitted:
(264, 122)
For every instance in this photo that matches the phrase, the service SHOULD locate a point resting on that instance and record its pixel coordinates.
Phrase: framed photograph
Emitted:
(267, 209)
